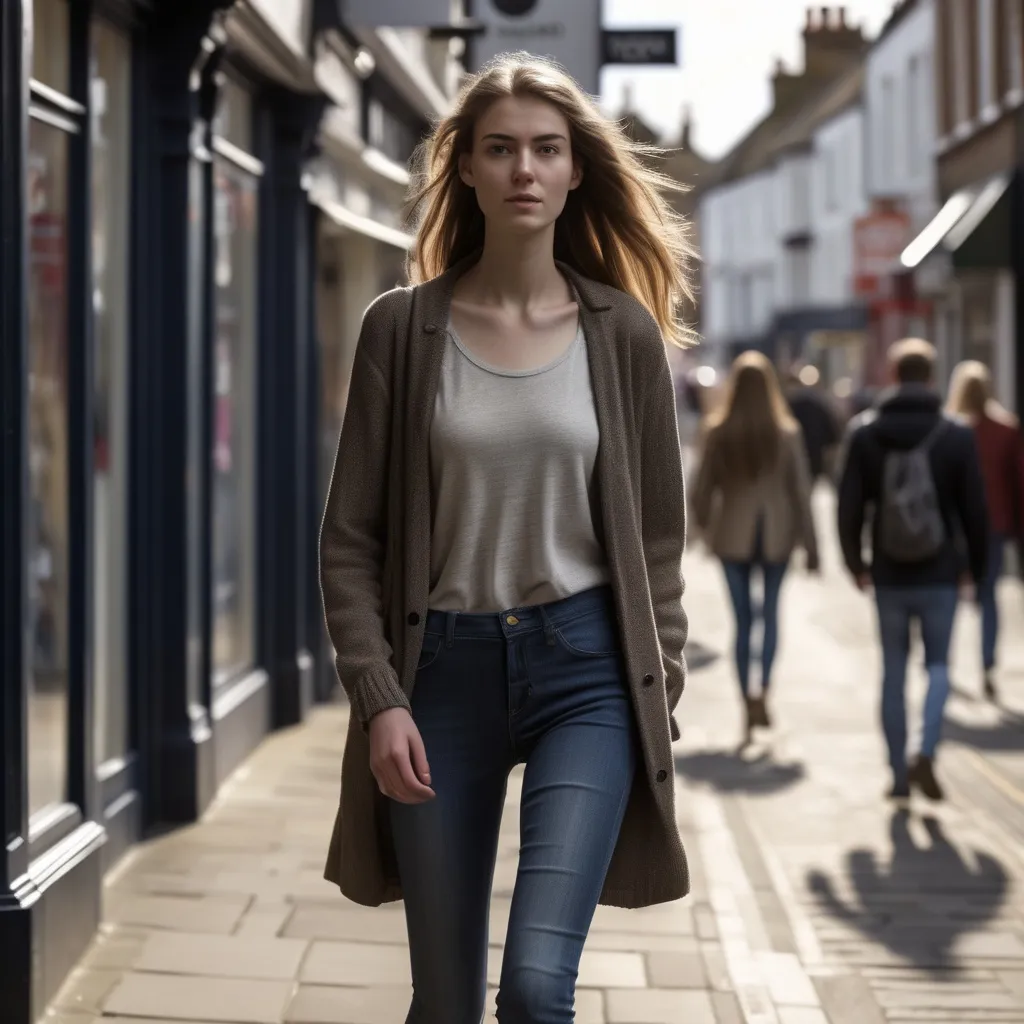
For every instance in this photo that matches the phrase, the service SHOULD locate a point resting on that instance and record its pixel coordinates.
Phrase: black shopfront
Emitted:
(159, 407)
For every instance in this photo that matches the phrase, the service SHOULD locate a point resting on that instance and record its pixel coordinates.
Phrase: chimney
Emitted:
(786, 87)
(809, 23)
(832, 46)
(684, 141)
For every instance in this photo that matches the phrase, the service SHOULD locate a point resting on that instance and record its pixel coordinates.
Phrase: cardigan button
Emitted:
(662, 775)
(430, 328)
(414, 619)
(648, 680)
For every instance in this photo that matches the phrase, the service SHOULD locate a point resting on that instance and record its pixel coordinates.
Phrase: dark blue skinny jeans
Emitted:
(988, 603)
(738, 577)
(544, 686)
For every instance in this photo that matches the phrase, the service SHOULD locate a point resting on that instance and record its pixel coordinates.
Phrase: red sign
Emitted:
(878, 240)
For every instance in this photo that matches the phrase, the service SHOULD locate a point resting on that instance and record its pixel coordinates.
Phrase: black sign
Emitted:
(515, 8)
(638, 46)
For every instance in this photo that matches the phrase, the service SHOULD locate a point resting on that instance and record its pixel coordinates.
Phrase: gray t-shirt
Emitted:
(512, 455)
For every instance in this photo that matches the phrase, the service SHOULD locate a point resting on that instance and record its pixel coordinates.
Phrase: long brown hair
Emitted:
(751, 420)
(970, 394)
(617, 226)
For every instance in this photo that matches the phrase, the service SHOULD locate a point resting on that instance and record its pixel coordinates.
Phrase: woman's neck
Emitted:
(517, 272)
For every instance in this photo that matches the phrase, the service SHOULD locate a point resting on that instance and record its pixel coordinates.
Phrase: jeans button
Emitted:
(662, 775)
(648, 680)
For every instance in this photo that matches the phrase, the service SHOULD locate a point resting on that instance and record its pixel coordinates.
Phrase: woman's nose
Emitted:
(524, 167)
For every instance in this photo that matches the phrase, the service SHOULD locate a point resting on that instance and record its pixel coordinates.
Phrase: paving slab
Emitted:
(814, 901)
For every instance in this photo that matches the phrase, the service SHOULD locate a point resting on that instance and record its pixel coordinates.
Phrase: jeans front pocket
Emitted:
(432, 645)
(591, 635)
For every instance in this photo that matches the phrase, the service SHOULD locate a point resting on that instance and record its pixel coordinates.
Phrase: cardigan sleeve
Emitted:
(663, 522)
(353, 534)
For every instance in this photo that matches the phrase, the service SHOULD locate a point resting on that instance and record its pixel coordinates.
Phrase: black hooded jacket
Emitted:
(902, 419)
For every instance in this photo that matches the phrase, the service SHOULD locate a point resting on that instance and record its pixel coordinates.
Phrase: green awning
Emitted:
(974, 226)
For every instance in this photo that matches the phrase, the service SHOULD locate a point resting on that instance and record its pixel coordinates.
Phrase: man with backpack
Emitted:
(914, 475)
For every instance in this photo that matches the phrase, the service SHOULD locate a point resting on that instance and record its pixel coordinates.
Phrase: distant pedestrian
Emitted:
(501, 549)
(1001, 450)
(752, 503)
(914, 474)
(818, 421)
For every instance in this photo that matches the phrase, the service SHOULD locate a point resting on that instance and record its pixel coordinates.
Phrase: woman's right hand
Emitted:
(398, 758)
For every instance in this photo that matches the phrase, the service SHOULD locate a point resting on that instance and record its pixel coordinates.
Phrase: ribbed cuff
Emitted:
(377, 691)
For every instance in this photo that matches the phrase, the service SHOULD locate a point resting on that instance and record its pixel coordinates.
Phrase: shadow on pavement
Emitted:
(729, 772)
(922, 901)
(698, 656)
(1005, 734)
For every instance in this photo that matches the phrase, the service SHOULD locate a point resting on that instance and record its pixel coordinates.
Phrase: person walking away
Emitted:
(1001, 450)
(819, 424)
(917, 473)
(501, 552)
(752, 503)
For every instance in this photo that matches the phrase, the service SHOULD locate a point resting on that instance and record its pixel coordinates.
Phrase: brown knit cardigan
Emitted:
(375, 560)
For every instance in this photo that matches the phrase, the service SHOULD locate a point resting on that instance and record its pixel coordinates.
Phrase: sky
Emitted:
(728, 50)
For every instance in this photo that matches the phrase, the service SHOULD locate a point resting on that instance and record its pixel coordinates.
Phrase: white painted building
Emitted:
(777, 250)
(900, 107)
(899, 104)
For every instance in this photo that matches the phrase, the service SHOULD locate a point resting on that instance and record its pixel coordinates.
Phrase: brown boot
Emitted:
(758, 712)
(922, 775)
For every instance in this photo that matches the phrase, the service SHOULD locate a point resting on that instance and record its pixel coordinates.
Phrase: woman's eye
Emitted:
(499, 147)
(549, 150)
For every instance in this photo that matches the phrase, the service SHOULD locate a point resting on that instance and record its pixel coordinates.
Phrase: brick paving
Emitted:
(813, 901)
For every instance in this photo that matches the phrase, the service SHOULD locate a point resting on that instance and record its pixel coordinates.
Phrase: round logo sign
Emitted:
(515, 8)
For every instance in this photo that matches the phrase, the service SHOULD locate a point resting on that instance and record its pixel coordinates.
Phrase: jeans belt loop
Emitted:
(549, 626)
(449, 629)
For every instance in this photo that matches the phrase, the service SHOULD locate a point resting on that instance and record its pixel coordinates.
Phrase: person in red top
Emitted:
(1001, 451)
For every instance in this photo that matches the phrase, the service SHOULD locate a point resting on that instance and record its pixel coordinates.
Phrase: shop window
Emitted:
(234, 375)
(48, 463)
(51, 35)
(110, 144)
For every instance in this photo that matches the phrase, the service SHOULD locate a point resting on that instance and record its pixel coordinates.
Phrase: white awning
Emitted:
(362, 225)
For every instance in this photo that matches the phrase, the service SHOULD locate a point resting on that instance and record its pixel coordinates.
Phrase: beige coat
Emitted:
(375, 563)
(726, 508)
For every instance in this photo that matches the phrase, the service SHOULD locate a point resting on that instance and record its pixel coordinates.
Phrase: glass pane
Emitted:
(48, 464)
(197, 280)
(233, 119)
(50, 43)
(109, 135)
(234, 426)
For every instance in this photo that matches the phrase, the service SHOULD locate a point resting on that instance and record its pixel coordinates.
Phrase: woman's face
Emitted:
(521, 166)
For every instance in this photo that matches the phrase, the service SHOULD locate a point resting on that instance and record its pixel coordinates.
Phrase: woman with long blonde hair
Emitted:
(1001, 452)
(501, 549)
(752, 503)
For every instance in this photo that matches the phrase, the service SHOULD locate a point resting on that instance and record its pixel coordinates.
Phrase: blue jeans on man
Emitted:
(934, 608)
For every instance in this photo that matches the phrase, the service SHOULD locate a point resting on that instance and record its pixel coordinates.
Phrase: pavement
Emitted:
(814, 901)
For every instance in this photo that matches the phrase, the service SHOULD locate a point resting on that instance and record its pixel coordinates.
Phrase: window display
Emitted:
(234, 423)
(48, 464)
(110, 142)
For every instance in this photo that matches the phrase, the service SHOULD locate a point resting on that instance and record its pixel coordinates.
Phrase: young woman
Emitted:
(501, 549)
(1001, 451)
(752, 501)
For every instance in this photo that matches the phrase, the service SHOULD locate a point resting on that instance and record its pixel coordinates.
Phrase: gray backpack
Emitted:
(911, 528)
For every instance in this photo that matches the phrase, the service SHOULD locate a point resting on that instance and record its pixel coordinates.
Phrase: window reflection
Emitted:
(109, 138)
(48, 464)
(234, 420)
(51, 34)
